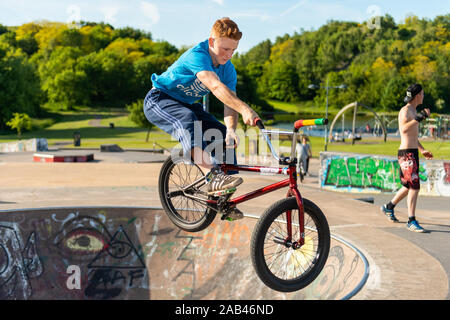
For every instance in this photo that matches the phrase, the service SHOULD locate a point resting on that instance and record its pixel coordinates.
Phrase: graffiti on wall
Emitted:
(117, 263)
(36, 144)
(379, 174)
(438, 179)
(366, 172)
(110, 260)
(18, 263)
(116, 255)
(205, 265)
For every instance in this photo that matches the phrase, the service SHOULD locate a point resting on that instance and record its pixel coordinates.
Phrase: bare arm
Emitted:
(225, 95)
(421, 148)
(404, 123)
(407, 124)
(230, 117)
(427, 154)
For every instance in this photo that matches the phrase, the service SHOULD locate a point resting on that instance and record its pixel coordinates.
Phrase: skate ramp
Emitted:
(137, 253)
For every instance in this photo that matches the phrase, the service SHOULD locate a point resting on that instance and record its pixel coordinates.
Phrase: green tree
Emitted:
(62, 82)
(71, 38)
(258, 54)
(96, 37)
(3, 29)
(143, 70)
(138, 117)
(21, 122)
(282, 81)
(132, 33)
(19, 85)
(25, 37)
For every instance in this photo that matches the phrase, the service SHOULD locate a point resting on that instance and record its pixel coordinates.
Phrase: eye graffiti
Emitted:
(103, 245)
(119, 249)
(119, 252)
(82, 238)
(83, 242)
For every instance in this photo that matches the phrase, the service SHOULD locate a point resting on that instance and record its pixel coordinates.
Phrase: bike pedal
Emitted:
(221, 193)
(225, 217)
(234, 215)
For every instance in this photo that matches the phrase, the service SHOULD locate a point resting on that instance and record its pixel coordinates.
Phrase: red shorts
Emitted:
(408, 159)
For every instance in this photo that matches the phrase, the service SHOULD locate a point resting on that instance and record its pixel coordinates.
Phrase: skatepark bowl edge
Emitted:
(137, 253)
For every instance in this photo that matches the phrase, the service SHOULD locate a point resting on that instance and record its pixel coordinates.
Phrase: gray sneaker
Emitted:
(220, 183)
(389, 213)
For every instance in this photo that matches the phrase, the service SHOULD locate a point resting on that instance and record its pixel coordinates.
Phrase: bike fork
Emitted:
(301, 218)
(293, 191)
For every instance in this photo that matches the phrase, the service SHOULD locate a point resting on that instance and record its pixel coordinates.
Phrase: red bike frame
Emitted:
(291, 182)
(293, 191)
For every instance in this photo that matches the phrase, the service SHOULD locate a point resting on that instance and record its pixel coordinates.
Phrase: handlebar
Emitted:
(302, 123)
(297, 125)
(258, 123)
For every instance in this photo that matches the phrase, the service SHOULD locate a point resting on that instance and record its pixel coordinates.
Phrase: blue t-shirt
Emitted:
(180, 80)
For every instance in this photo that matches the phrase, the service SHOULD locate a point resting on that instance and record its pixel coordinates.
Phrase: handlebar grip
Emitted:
(301, 123)
(257, 122)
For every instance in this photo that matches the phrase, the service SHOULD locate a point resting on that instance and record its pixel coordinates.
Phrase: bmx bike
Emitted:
(291, 240)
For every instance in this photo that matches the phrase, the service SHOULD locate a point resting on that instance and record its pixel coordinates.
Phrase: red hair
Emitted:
(226, 28)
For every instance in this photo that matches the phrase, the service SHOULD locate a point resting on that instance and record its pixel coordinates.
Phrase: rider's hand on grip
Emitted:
(258, 123)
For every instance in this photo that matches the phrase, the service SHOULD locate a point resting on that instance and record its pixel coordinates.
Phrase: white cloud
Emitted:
(293, 8)
(219, 2)
(74, 13)
(150, 11)
(109, 14)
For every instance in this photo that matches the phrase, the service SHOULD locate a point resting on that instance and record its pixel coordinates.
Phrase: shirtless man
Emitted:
(408, 156)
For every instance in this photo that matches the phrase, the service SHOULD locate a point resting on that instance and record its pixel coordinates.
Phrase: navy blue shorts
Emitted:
(188, 123)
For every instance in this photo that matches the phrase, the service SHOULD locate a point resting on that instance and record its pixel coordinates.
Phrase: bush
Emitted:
(137, 115)
(21, 122)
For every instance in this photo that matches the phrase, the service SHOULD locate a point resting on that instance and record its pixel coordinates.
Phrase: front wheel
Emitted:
(279, 265)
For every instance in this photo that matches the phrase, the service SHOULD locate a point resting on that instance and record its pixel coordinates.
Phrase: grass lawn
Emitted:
(290, 107)
(440, 149)
(310, 108)
(93, 125)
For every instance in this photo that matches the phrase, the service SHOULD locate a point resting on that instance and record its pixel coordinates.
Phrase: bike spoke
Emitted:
(184, 175)
(285, 262)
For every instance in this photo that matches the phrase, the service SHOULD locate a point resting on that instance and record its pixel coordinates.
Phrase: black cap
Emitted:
(412, 91)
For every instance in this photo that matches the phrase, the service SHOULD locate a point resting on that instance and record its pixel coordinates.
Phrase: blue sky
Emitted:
(183, 22)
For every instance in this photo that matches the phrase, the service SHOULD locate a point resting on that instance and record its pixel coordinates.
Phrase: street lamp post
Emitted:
(326, 117)
(327, 87)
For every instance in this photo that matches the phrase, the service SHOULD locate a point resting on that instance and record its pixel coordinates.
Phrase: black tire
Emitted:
(304, 268)
(185, 213)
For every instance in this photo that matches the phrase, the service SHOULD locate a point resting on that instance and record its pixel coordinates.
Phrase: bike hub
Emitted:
(287, 243)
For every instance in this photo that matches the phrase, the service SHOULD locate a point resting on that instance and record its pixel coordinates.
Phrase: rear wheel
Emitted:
(182, 192)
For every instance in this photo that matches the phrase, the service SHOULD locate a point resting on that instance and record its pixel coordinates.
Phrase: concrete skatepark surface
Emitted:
(137, 253)
(401, 264)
